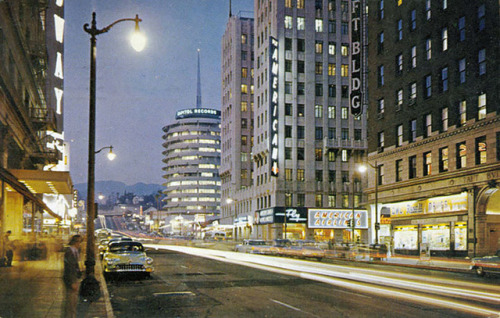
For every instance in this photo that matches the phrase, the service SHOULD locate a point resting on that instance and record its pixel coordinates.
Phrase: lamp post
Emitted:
(362, 169)
(111, 155)
(90, 286)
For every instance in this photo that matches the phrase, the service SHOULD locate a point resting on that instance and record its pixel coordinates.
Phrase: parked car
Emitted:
(278, 245)
(104, 244)
(127, 257)
(253, 247)
(486, 264)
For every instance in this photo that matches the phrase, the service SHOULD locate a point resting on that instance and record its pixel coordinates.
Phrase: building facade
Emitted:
(237, 123)
(434, 126)
(192, 161)
(306, 142)
(31, 130)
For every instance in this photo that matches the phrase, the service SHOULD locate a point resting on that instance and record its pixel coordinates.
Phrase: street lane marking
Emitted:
(291, 307)
(180, 293)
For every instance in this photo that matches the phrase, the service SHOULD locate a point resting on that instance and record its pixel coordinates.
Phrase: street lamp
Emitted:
(90, 286)
(111, 155)
(362, 169)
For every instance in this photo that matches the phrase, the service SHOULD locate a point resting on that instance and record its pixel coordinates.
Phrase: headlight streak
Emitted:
(330, 274)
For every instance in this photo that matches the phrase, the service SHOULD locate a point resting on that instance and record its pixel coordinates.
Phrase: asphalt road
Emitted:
(189, 286)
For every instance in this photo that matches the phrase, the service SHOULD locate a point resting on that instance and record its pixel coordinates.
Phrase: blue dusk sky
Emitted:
(139, 93)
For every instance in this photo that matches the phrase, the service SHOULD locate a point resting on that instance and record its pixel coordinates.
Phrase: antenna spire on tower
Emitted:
(230, 10)
(198, 86)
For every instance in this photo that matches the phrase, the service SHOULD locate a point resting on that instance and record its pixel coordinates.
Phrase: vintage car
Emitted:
(104, 244)
(278, 245)
(253, 247)
(304, 249)
(486, 264)
(127, 257)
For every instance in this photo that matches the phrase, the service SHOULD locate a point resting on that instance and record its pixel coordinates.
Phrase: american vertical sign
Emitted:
(273, 89)
(355, 98)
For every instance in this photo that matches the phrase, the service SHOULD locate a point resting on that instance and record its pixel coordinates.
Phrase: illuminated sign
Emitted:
(451, 203)
(336, 219)
(273, 106)
(282, 215)
(355, 97)
(198, 112)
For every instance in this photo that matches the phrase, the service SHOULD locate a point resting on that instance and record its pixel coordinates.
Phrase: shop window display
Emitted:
(406, 237)
(437, 236)
(461, 236)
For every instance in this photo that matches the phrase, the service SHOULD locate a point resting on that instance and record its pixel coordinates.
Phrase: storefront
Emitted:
(281, 222)
(334, 225)
(440, 223)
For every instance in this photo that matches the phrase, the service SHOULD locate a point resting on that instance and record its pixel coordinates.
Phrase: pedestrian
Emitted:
(71, 276)
(8, 248)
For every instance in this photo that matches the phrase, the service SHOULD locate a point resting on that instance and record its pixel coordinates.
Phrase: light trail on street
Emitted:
(470, 297)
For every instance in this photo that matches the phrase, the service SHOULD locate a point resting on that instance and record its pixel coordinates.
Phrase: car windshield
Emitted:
(126, 247)
(256, 242)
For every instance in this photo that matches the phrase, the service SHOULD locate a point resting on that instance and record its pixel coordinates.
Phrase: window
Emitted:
(444, 79)
(300, 132)
(357, 134)
(399, 135)
(481, 107)
(461, 155)
(445, 4)
(288, 109)
(400, 29)
(344, 134)
(332, 28)
(428, 86)
(300, 66)
(300, 175)
(381, 106)
(380, 180)
(427, 163)
(318, 154)
(318, 200)
(288, 153)
(399, 98)
(331, 69)
(380, 47)
(300, 110)
(344, 112)
(380, 75)
(243, 39)
(461, 28)
(288, 174)
(319, 47)
(319, 25)
(288, 131)
(461, 71)
(318, 68)
(413, 130)
(413, 19)
(331, 156)
(381, 141)
(344, 70)
(288, 44)
(332, 90)
(381, 9)
(300, 153)
(344, 155)
(481, 60)
(399, 64)
(481, 17)
(413, 54)
(288, 87)
(443, 159)
(244, 89)
(412, 167)
(481, 150)
(301, 45)
(300, 23)
(344, 28)
(444, 119)
(413, 91)
(344, 50)
(318, 111)
(318, 89)
(345, 91)
(318, 133)
(300, 4)
(331, 48)
(428, 48)
(288, 3)
(244, 106)
(244, 140)
(428, 9)
(331, 200)
(462, 113)
(288, 22)
(399, 170)
(243, 123)
(331, 112)
(244, 72)
(444, 39)
(300, 88)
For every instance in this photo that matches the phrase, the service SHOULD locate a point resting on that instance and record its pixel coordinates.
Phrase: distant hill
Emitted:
(108, 187)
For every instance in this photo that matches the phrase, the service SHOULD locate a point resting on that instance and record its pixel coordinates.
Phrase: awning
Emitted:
(47, 182)
(19, 187)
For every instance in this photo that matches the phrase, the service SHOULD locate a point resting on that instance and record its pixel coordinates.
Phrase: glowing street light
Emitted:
(111, 155)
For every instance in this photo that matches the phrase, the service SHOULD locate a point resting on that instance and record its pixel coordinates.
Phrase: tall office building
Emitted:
(237, 122)
(434, 132)
(306, 141)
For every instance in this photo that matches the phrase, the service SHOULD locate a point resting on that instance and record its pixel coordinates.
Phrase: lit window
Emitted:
(344, 155)
(319, 25)
(428, 9)
(288, 22)
(428, 48)
(319, 68)
(481, 106)
(381, 106)
(413, 91)
(288, 3)
(318, 154)
(318, 111)
(444, 119)
(300, 4)
(481, 59)
(344, 112)
(344, 50)
(331, 48)
(462, 112)
(399, 97)
(243, 39)
(244, 89)
(399, 135)
(319, 47)
(399, 63)
(428, 125)
(300, 23)
(300, 175)
(331, 111)
(331, 69)
(481, 150)
(461, 70)
(244, 106)
(444, 39)
(461, 155)
(413, 56)
(381, 141)
(244, 72)
(399, 170)
(443, 159)
(344, 71)
(381, 9)
(427, 163)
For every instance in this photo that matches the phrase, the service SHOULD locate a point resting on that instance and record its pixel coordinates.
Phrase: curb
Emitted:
(104, 289)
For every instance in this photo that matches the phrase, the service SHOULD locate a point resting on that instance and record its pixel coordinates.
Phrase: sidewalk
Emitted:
(35, 289)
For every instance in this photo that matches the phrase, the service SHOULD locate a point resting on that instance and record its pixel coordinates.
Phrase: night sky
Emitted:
(139, 93)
